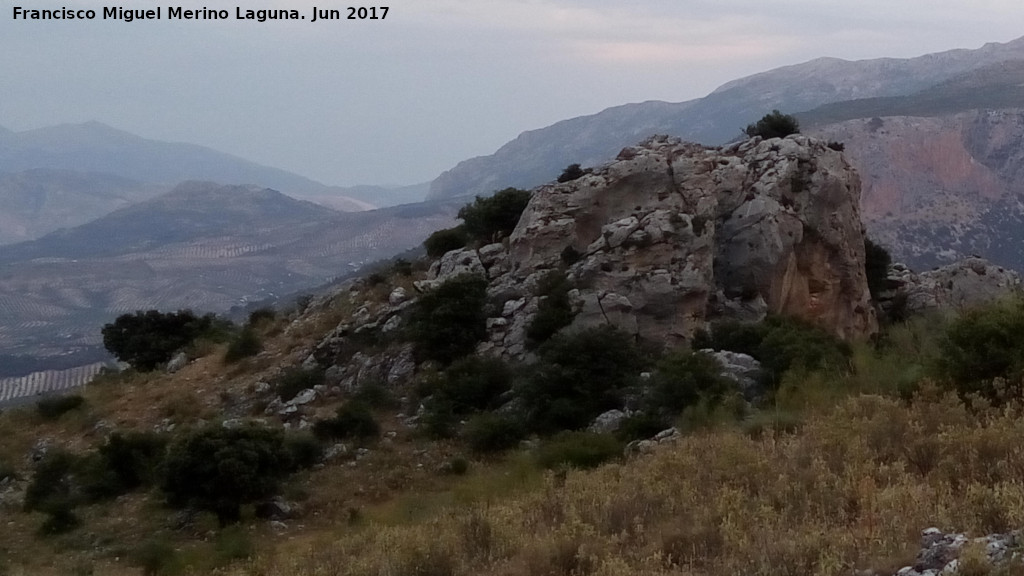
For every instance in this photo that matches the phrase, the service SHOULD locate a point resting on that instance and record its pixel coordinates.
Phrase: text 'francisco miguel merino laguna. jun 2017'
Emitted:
(178, 13)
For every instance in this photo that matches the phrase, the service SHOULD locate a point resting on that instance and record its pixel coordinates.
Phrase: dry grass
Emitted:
(851, 490)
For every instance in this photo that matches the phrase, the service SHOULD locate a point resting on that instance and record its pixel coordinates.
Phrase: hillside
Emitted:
(38, 201)
(96, 147)
(200, 246)
(516, 408)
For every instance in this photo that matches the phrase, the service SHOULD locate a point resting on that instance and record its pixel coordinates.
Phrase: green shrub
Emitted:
(246, 344)
(578, 450)
(53, 407)
(304, 450)
(684, 378)
(353, 420)
(262, 315)
(148, 339)
(488, 219)
(232, 543)
(52, 484)
(780, 343)
(133, 458)
(571, 172)
(876, 267)
(579, 376)
(7, 471)
(490, 432)
(296, 379)
(984, 344)
(402, 267)
(473, 383)
(448, 322)
(457, 466)
(641, 426)
(61, 518)
(554, 311)
(442, 241)
(774, 125)
(439, 422)
(218, 469)
(375, 395)
(155, 557)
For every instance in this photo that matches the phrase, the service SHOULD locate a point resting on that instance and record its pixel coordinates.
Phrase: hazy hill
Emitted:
(96, 147)
(201, 246)
(538, 156)
(38, 201)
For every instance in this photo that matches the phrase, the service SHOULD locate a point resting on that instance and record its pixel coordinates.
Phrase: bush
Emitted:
(304, 450)
(51, 486)
(442, 241)
(641, 426)
(774, 125)
(578, 450)
(295, 380)
(447, 322)
(53, 407)
(218, 469)
(457, 466)
(155, 557)
(579, 376)
(402, 267)
(472, 384)
(683, 379)
(571, 172)
(876, 267)
(554, 311)
(779, 343)
(353, 420)
(261, 316)
(982, 345)
(488, 219)
(148, 339)
(246, 344)
(133, 458)
(489, 432)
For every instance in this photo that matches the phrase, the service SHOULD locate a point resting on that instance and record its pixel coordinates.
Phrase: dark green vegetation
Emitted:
(447, 322)
(571, 172)
(219, 469)
(554, 311)
(774, 125)
(445, 241)
(983, 351)
(353, 420)
(876, 267)
(488, 219)
(485, 220)
(148, 339)
(54, 407)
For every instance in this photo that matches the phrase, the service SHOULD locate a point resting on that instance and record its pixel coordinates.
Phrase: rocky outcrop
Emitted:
(673, 234)
(944, 554)
(962, 284)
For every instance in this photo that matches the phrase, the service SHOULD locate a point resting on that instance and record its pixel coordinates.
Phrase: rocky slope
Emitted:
(673, 234)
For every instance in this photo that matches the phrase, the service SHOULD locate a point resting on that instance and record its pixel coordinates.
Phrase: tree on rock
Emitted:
(774, 125)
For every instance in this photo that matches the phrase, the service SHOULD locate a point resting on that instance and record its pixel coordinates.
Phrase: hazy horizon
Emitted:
(397, 101)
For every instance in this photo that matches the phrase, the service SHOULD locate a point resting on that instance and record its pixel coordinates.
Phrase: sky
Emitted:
(399, 100)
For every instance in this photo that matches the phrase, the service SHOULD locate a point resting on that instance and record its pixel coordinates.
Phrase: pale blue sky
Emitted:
(400, 100)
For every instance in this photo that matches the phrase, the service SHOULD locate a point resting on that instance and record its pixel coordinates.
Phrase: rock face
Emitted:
(673, 234)
(959, 285)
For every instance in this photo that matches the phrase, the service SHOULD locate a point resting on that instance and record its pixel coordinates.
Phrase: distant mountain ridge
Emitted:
(202, 246)
(537, 156)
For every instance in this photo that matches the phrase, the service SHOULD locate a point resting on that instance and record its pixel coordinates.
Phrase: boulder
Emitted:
(962, 284)
(179, 361)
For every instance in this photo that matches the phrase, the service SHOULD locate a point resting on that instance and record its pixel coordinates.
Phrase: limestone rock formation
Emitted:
(674, 234)
(953, 287)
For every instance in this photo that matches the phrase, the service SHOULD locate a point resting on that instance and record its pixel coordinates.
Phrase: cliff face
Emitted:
(672, 234)
(941, 188)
